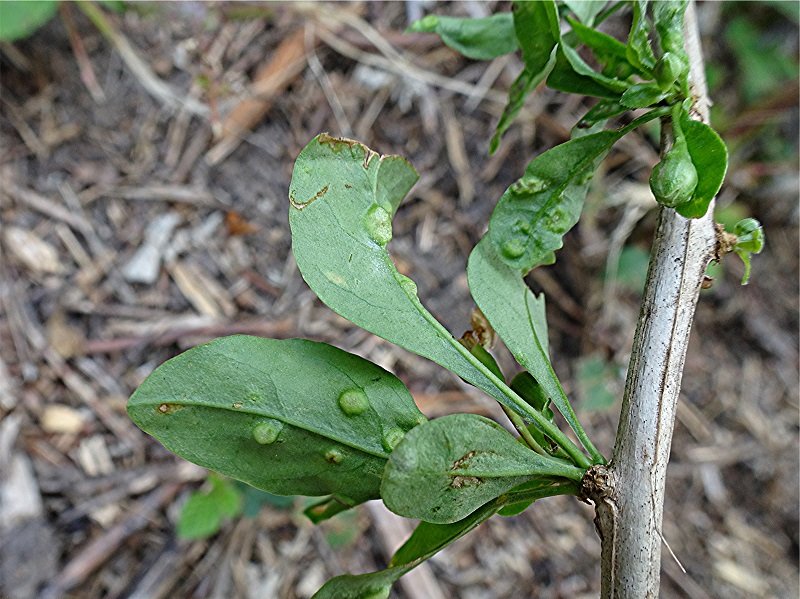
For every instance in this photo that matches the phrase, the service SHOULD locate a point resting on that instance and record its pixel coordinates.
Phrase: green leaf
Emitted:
(639, 52)
(586, 10)
(603, 110)
(668, 21)
(426, 540)
(449, 467)
(20, 18)
(710, 158)
(531, 391)
(642, 95)
(518, 499)
(536, 29)
(533, 215)
(518, 317)
(564, 77)
(609, 51)
(325, 509)
(343, 196)
(203, 513)
(596, 377)
(750, 240)
(479, 39)
(290, 417)
(614, 85)
(632, 268)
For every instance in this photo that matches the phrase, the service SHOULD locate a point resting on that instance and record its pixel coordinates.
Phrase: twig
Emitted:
(155, 86)
(630, 507)
(81, 57)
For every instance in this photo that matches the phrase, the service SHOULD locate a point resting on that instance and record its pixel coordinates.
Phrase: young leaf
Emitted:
(609, 51)
(343, 196)
(642, 95)
(566, 78)
(518, 317)
(448, 468)
(750, 240)
(603, 110)
(639, 52)
(479, 39)
(204, 511)
(533, 215)
(586, 10)
(668, 21)
(291, 417)
(426, 541)
(614, 85)
(710, 158)
(536, 29)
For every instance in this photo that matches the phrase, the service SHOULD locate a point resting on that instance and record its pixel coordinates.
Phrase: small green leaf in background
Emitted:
(204, 512)
(342, 531)
(750, 240)
(632, 268)
(268, 412)
(255, 499)
(479, 39)
(426, 540)
(596, 378)
(586, 10)
(444, 470)
(710, 158)
(763, 66)
(19, 19)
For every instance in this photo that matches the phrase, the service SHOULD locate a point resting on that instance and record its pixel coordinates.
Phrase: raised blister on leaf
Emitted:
(338, 240)
(279, 415)
(447, 468)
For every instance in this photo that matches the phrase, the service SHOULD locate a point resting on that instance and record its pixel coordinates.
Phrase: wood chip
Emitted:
(35, 253)
(93, 456)
(58, 418)
(145, 264)
(19, 493)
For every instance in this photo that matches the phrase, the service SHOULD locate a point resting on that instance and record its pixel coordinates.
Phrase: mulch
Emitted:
(137, 221)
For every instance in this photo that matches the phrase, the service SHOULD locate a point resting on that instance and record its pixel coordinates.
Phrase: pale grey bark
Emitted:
(629, 493)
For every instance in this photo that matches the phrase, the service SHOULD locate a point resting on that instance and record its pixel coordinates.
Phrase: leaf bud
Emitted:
(674, 179)
(668, 70)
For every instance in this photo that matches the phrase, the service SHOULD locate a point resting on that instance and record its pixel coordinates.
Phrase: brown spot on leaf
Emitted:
(338, 143)
(463, 460)
(459, 482)
(315, 197)
(168, 408)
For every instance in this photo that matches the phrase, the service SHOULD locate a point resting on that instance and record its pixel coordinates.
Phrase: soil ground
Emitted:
(90, 503)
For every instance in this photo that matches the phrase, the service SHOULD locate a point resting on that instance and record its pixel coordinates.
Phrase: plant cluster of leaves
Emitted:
(306, 418)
